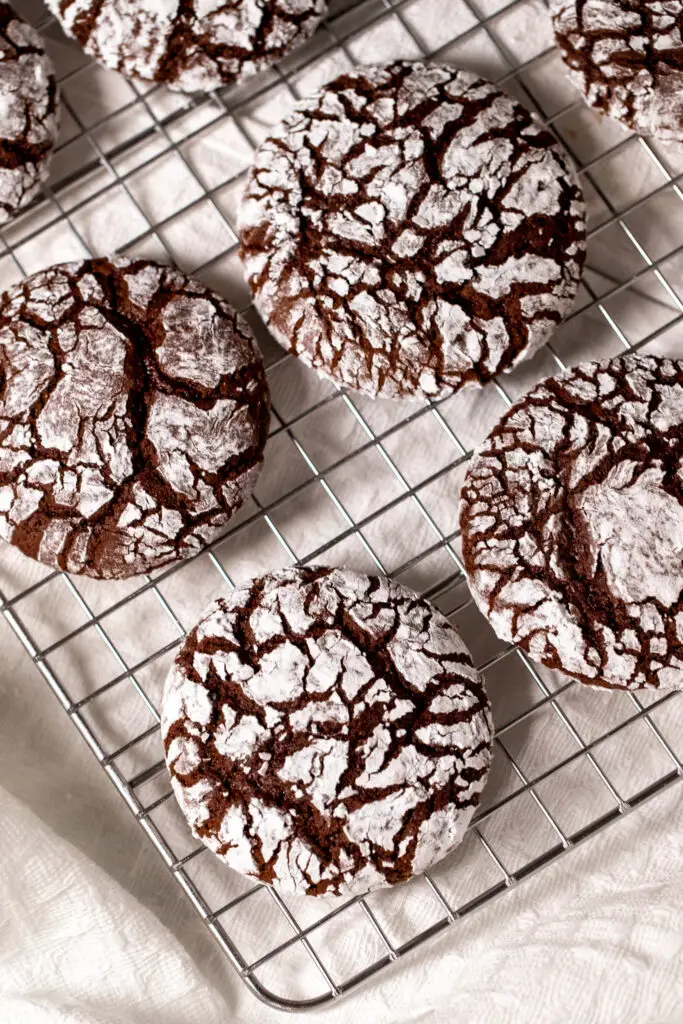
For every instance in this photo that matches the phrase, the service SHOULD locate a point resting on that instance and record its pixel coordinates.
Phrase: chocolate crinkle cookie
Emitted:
(326, 732)
(133, 416)
(572, 523)
(626, 57)
(189, 45)
(29, 103)
(411, 230)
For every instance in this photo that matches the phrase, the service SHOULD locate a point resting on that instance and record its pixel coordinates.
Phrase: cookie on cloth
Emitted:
(190, 45)
(410, 230)
(326, 731)
(626, 57)
(133, 416)
(29, 112)
(572, 523)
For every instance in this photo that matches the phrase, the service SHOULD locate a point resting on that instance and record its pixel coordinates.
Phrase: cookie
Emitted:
(572, 524)
(133, 416)
(326, 732)
(29, 104)
(189, 45)
(411, 230)
(626, 57)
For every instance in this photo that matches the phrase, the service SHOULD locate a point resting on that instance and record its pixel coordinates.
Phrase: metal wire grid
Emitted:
(383, 927)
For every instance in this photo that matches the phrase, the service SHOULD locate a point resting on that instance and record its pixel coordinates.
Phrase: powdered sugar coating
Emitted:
(572, 523)
(189, 45)
(133, 416)
(411, 230)
(326, 732)
(626, 56)
(28, 112)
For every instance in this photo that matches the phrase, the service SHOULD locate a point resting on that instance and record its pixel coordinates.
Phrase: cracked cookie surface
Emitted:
(410, 230)
(29, 102)
(572, 523)
(189, 44)
(133, 416)
(626, 57)
(326, 732)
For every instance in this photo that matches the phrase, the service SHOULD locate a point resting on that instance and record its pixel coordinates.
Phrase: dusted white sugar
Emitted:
(327, 759)
(637, 535)
(572, 521)
(193, 45)
(131, 429)
(626, 58)
(29, 113)
(397, 254)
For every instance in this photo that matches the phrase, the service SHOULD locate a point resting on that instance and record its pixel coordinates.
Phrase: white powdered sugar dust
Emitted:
(572, 523)
(411, 230)
(626, 56)
(326, 731)
(191, 46)
(29, 112)
(133, 416)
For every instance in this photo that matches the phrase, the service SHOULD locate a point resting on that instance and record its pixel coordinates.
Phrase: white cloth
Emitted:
(94, 931)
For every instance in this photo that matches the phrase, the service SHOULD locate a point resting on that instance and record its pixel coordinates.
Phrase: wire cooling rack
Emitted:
(143, 171)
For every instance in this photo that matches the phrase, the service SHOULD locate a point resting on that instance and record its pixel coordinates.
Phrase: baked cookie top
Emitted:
(572, 523)
(326, 731)
(189, 44)
(133, 415)
(626, 56)
(410, 230)
(30, 116)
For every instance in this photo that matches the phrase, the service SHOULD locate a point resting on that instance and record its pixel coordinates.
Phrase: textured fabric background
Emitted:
(93, 929)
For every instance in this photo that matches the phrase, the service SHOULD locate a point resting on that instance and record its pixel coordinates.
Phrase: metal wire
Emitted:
(145, 789)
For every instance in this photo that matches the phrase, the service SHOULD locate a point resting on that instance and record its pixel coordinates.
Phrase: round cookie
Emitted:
(29, 121)
(411, 230)
(326, 732)
(133, 416)
(189, 45)
(572, 523)
(626, 57)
